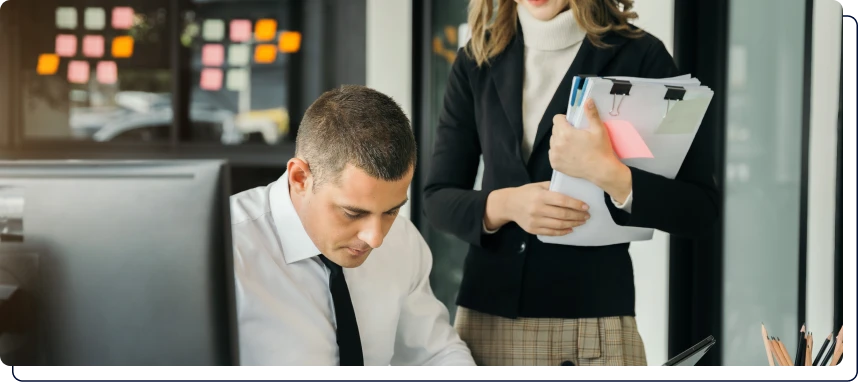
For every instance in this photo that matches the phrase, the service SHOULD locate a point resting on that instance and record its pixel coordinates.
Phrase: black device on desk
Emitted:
(135, 260)
(692, 355)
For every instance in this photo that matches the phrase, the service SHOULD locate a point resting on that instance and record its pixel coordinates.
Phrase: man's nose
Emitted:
(372, 233)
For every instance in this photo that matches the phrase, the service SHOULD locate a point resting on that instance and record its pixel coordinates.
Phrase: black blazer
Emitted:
(511, 273)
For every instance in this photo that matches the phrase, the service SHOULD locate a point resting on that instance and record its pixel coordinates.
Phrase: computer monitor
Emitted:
(134, 258)
(692, 355)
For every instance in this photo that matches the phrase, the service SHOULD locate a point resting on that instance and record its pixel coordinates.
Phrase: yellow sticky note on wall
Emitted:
(266, 29)
(123, 47)
(265, 54)
(290, 42)
(48, 64)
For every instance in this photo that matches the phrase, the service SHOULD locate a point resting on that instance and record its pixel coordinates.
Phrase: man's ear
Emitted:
(300, 178)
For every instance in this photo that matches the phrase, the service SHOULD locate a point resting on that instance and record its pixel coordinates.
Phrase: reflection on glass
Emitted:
(88, 78)
(240, 59)
(762, 186)
(449, 33)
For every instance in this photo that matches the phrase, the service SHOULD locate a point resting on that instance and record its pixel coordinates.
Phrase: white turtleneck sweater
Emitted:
(549, 48)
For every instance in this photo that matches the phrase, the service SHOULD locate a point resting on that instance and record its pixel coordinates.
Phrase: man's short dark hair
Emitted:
(359, 126)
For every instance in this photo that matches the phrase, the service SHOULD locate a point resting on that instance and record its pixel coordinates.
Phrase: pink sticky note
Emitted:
(211, 79)
(240, 30)
(66, 45)
(78, 72)
(213, 55)
(106, 72)
(626, 140)
(93, 46)
(123, 18)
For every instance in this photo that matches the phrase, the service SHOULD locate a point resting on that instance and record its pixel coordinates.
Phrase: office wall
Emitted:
(388, 54)
(650, 258)
(825, 99)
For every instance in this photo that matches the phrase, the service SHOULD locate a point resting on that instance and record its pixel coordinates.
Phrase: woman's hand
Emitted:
(588, 154)
(535, 209)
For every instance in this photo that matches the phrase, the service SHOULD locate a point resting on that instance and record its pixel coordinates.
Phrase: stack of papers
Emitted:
(651, 122)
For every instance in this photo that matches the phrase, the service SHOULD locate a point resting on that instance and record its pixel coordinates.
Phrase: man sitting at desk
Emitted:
(308, 292)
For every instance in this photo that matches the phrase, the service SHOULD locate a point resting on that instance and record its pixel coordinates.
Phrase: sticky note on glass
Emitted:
(290, 42)
(66, 45)
(239, 55)
(123, 47)
(213, 55)
(684, 116)
(626, 140)
(240, 30)
(66, 18)
(265, 54)
(106, 72)
(237, 79)
(122, 18)
(93, 46)
(266, 29)
(211, 79)
(94, 18)
(48, 64)
(78, 72)
(213, 30)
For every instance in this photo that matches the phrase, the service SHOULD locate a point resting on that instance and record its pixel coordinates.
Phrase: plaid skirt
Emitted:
(499, 341)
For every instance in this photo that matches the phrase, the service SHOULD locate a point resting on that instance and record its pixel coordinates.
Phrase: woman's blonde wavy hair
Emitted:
(596, 17)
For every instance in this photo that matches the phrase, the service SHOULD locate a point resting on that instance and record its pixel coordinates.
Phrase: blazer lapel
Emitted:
(589, 60)
(508, 76)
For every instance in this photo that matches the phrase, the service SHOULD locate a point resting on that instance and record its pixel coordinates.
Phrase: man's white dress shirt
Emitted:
(285, 309)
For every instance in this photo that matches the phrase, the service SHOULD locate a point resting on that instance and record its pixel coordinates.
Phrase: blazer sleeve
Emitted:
(450, 202)
(688, 205)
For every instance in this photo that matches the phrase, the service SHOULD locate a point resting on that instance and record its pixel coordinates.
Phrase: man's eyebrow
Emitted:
(361, 211)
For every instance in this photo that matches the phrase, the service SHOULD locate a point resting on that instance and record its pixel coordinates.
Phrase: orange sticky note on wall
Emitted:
(66, 45)
(626, 140)
(265, 54)
(266, 29)
(290, 42)
(48, 64)
(123, 47)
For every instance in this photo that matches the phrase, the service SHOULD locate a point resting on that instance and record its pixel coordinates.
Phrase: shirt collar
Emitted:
(559, 33)
(294, 240)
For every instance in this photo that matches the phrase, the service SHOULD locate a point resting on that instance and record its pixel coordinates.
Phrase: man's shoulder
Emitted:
(404, 231)
(404, 244)
(249, 205)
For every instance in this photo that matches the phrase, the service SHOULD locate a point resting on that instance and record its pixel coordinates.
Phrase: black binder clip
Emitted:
(621, 88)
(583, 76)
(673, 93)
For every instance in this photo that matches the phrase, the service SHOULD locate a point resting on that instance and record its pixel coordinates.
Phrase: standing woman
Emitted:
(522, 301)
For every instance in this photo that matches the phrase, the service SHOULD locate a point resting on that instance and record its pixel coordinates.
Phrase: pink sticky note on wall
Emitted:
(78, 72)
(626, 140)
(123, 18)
(106, 72)
(213, 55)
(211, 79)
(240, 30)
(66, 45)
(93, 46)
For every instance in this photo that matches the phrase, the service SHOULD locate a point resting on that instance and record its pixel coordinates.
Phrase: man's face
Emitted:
(348, 217)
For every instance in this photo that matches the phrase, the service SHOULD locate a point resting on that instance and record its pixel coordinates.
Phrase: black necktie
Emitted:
(348, 336)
